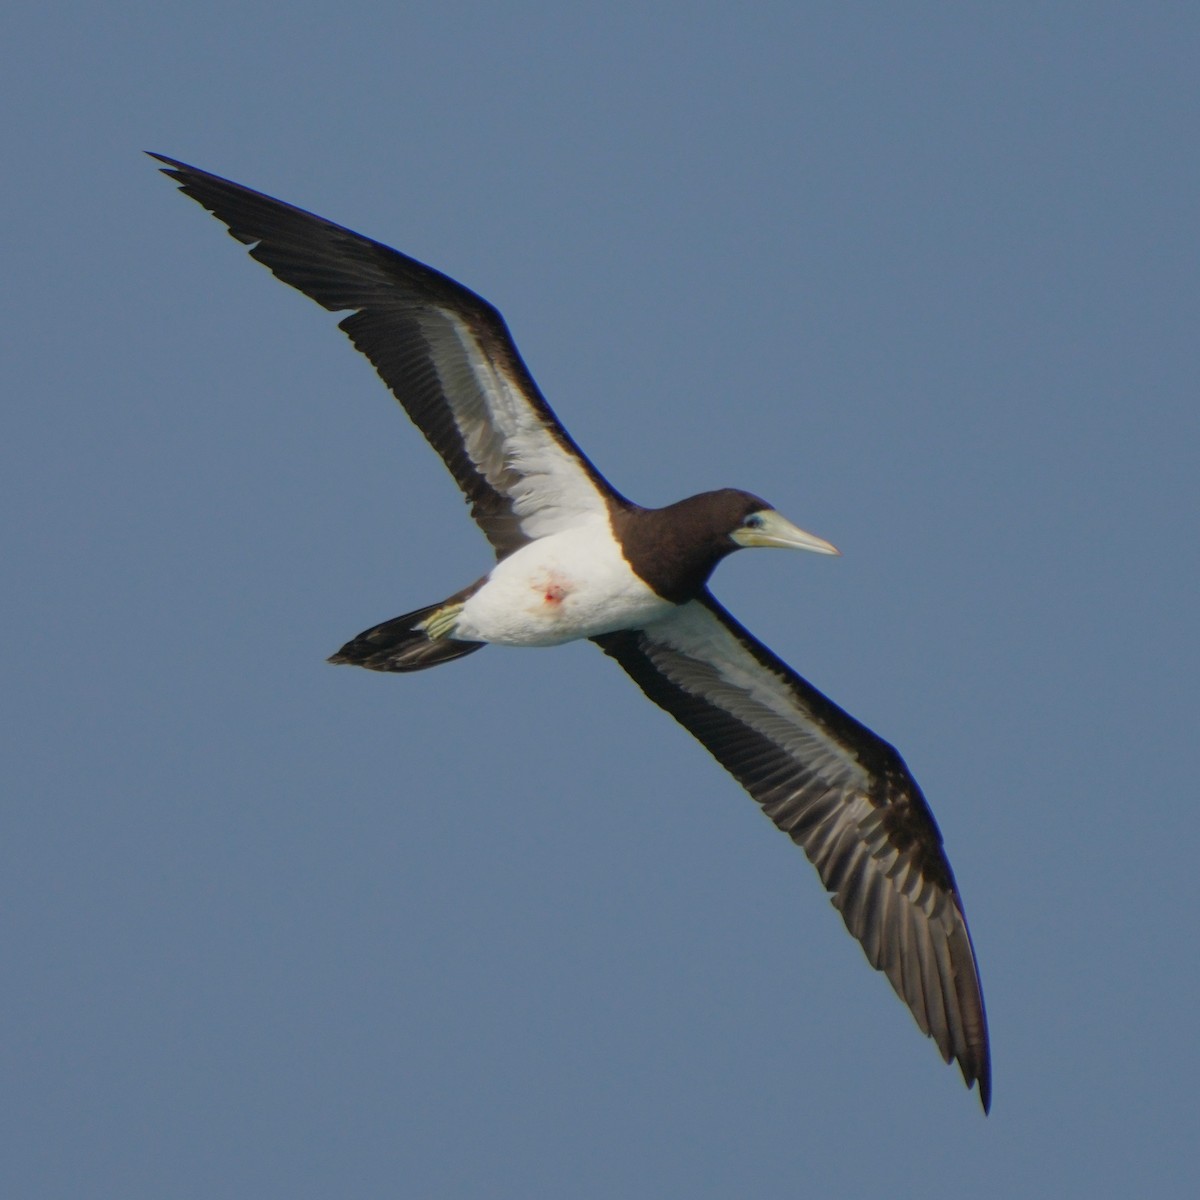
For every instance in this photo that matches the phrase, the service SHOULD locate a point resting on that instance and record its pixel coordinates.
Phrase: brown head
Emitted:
(675, 549)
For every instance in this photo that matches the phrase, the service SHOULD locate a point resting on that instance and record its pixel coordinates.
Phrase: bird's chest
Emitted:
(558, 589)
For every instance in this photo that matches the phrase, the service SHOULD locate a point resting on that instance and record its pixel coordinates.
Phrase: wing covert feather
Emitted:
(842, 794)
(444, 352)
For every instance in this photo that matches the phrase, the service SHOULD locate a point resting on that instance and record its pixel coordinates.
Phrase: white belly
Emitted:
(573, 584)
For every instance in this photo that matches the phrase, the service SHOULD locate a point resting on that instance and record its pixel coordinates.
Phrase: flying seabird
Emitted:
(578, 560)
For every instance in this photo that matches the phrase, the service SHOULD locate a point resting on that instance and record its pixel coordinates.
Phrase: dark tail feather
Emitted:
(397, 645)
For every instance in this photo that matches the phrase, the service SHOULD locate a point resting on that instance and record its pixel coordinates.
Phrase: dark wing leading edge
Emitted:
(445, 353)
(842, 794)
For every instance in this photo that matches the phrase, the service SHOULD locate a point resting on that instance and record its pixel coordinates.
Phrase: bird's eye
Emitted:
(754, 521)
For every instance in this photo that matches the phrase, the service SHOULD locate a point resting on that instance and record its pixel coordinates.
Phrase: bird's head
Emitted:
(766, 527)
(756, 523)
(675, 549)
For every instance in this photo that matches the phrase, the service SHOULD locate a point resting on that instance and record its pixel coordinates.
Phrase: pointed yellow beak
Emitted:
(769, 528)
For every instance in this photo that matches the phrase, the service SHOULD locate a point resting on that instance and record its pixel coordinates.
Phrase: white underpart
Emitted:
(505, 436)
(573, 584)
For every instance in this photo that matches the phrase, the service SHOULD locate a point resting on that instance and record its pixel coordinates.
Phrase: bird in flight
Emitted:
(575, 559)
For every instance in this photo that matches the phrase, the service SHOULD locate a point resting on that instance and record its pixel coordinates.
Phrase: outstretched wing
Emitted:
(445, 353)
(842, 794)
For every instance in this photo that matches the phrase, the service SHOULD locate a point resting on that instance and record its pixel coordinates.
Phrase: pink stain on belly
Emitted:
(551, 590)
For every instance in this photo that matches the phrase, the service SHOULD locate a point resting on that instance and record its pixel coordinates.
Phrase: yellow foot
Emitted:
(441, 623)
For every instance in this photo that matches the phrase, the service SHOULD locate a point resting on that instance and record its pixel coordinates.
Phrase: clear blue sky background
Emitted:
(923, 275)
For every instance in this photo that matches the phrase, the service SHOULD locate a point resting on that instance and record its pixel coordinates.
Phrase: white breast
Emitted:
(573, 584)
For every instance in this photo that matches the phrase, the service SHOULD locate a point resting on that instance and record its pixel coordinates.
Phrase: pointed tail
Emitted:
(404, 643)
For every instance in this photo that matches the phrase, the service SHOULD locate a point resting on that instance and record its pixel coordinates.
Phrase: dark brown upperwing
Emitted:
(437, 345)
(842, 794)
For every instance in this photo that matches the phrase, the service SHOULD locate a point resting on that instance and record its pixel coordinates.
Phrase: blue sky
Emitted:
(924, 276)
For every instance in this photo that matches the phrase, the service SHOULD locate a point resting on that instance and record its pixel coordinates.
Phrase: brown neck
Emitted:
(674, 549)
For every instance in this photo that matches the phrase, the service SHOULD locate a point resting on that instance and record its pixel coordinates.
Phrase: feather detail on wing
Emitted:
(445, 353)
(842, 794)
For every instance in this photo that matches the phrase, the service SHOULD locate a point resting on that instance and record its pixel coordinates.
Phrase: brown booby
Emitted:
(578, 560)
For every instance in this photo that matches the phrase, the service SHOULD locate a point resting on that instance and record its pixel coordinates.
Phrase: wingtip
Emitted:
(979, 1074)
(174, 168)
